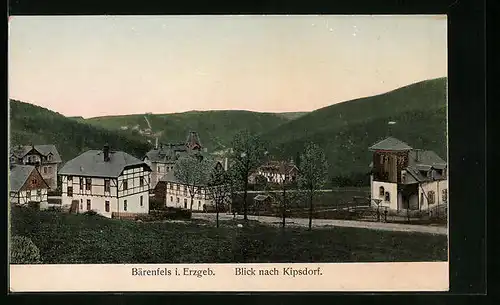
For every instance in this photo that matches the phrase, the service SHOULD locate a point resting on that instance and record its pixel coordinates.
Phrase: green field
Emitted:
(66, 239)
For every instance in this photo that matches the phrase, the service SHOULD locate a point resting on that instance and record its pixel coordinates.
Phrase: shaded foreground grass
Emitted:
(70, 239)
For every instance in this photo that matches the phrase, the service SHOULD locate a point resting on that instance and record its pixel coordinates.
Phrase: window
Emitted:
(381, 191)
(141, 181)
(70, 178)
(422, 198)
(125, 184)
(33, 181)
(171, 199)
(387, 196)
(158, 168)
(39, 193)
(171, 186)
(107, 186)
(81, 204)
(431, 196)
(70, 191)
(106, 206)
(125, 205)
(44, 170)
(445, 195)
(28, 195)
(141, 201)
(178, 187)
(81, 183)
(49, 157)
(185, 203)
(88, 184)
(49, 169)
(89, 205)
(177, 199)
(199, 204)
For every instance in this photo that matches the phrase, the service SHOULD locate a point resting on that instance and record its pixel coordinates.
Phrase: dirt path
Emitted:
(304, 222)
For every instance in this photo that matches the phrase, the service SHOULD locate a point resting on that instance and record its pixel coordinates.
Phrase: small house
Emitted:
(45, 158)
(27, 186)
(404, 178)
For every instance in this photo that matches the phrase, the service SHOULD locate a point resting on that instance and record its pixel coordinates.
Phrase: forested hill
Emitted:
(30, 124)
(346, 130)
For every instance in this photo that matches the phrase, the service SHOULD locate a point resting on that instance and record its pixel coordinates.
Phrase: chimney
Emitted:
(225, 164)
(106, 152)
(416, 155)
(156, 143)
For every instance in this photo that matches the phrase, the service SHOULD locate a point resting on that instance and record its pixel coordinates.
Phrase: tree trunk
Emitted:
(217, 211)
(284, 204)
(310, 210)
(192, 200)
(245, 200)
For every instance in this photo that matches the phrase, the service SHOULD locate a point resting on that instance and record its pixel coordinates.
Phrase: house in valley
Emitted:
(105, 181)
(27, 186)
(276, 172)
(163, 157)
(177, 194)
(45, 158)
(404, 178)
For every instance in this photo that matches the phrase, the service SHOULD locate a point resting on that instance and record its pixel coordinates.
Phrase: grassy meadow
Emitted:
(78, 239)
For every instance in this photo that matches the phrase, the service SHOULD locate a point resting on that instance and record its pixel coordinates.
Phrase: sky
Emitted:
(113, 65)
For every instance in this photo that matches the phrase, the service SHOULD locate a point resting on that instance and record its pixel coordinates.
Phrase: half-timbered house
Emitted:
(27, 185)
(106, 182)
(45, 158)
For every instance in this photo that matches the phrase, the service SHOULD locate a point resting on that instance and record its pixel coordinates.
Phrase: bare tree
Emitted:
(248, 154)
(313, 173)
(192, 172)
(219, 188)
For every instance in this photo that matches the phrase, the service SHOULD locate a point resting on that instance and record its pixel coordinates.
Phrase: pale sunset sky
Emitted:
(111, 65)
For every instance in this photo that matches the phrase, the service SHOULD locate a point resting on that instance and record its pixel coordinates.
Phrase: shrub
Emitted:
(23, 251)
(90, 213)
(155, 204)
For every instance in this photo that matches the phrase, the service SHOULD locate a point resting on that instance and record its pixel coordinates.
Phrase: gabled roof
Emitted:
(91, 164)
(18, 176)
(281, 167)
(425, 158)
(169, 177)
(166, 153)
(21, 150)
(392, 144)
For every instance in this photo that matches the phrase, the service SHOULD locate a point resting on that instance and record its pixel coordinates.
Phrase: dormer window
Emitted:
(49, 158)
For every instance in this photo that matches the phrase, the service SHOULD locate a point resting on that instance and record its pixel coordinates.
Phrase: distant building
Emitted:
(27, 185)
(276, 172)
(107, 182)
(45, 158)
(177, 195)
(406, 178)
(163, 157)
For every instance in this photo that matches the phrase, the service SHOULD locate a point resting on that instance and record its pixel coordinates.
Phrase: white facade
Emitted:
(128, 193)
(177, 195)
(435, 191)
(389, 198)
(26, 196)
(158, 170)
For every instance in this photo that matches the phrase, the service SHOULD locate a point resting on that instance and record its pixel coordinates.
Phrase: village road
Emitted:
(323, 223)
